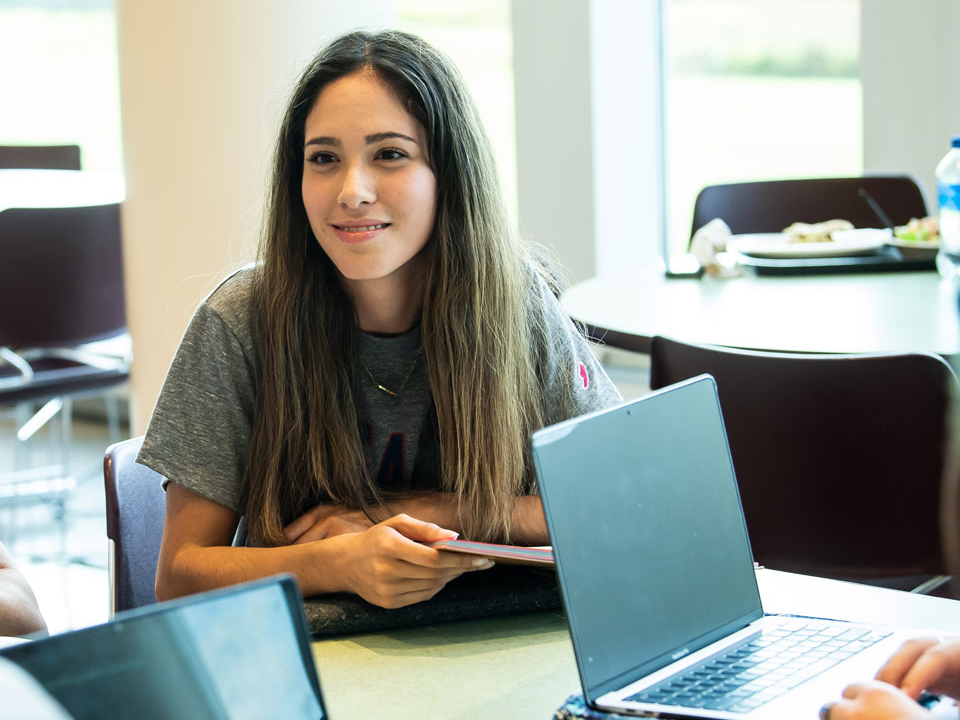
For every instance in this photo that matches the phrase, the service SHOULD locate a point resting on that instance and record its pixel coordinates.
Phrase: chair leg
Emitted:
(113, 417)
(49, 484)
(66, 434)
(20, 449)
(60, 501)
(929, 587)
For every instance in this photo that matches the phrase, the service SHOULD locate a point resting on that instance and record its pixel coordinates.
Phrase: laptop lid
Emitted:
(240, 652)
(648, 533)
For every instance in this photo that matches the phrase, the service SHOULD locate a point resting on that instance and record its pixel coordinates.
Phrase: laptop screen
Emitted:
(647, 530)
(242, 652)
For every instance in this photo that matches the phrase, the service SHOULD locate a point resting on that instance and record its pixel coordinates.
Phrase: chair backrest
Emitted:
(772, 205)
(40, 157)
(838, 457)
(61, 276)
(136, 505)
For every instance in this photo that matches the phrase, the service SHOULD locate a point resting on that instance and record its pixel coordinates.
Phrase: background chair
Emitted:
(40, 157)
(838, 458)
(62, 329)
(772, 205)
(136, 505)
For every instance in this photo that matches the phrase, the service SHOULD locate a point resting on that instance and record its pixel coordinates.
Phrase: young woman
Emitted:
(371, 384)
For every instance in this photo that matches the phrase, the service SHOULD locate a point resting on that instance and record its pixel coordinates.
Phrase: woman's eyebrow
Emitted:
(369, 139)
(379, 137)
(323, 140)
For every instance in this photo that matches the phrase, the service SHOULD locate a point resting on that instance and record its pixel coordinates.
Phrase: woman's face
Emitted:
(369, 192)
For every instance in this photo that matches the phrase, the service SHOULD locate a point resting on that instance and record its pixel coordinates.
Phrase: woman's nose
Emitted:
(358, 187)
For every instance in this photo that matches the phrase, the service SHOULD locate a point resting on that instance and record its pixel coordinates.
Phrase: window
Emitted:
(757, 90)
(60, 83)
(476, 34)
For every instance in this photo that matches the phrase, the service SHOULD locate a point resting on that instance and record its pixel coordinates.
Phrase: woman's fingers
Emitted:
(936, 670)
(302, 524)
(312, 525)
(448, 572)
(899, 664)
(872, 700)
(316, 532)
(854, 690)
(418, 529)
(403, 538)
(393, 567)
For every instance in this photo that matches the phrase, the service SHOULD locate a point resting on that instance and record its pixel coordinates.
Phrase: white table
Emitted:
(59, 188)
(859, 312)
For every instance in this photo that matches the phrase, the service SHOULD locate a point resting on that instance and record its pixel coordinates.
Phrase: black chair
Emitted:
(838, 457)
(772, 205)
(61, 297)
(40, 157)
(136, 505)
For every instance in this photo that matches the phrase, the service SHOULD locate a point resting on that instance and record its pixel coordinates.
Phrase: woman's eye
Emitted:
(390, 154)
(321, 158)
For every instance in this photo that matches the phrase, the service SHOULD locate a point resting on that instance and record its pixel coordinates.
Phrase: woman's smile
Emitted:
(359, 232)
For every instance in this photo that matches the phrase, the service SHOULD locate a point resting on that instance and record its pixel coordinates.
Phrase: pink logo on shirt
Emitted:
(584, 378)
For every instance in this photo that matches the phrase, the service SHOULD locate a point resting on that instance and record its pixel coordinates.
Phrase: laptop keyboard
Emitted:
(761, 668)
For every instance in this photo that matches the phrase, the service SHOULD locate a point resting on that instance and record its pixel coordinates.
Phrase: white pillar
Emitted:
(203, 86)
(910, 71)
(589, 149)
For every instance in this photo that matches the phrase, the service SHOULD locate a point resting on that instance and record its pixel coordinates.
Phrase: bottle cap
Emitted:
(955, 141)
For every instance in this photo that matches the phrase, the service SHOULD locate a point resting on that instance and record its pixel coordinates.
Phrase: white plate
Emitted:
(916, 249)
(776, 245)
(915, 244)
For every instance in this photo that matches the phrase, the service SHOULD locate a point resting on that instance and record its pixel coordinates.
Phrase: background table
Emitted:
(522, 666)
(861, 312)
(59, 188)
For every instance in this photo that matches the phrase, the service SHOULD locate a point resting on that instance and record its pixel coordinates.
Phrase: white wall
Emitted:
(910, 69)
(202, 86)
(587, 118)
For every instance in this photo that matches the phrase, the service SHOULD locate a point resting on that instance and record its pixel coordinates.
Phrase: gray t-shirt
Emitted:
(199, 433)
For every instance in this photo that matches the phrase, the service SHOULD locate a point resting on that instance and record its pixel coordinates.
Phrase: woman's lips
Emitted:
(358, 233)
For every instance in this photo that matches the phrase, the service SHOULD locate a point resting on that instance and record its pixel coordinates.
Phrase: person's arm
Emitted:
(19, 611)
(386, 564)
(527, 523)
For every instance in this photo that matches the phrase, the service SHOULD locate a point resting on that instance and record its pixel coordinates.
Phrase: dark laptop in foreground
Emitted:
(242, 652)
(657, 575)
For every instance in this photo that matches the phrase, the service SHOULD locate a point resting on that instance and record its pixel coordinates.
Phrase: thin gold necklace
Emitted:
(388, 391)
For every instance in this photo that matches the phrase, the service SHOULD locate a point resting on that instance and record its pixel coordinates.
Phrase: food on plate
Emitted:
(919, 230)
(815, 232)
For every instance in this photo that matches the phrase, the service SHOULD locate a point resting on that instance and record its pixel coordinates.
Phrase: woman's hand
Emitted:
(925, 664)
(388, 565)
(922, 664)
(528, 525)
(873, 700)
(324, 521)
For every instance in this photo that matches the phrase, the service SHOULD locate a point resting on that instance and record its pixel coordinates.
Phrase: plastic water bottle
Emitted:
(948, 191)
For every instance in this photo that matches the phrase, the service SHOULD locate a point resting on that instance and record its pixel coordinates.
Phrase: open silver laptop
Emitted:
(657, 575)
(239, 653)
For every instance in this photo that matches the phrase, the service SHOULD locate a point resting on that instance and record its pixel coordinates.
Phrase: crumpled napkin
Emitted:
(707, 244)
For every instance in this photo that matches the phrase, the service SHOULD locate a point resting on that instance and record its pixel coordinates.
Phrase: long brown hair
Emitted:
(481, 325)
